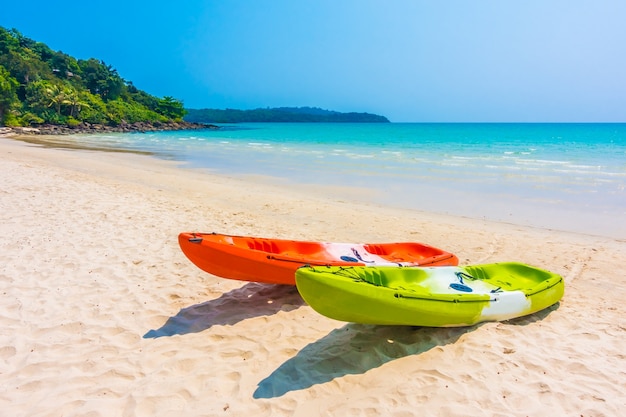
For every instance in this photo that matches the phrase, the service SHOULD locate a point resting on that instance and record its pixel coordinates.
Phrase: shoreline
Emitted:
(94, 129)
(265, 186)
(538, 212)
(102, 310)
(59, 142)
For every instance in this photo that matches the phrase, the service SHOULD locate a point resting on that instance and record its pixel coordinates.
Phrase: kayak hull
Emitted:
(445, 296)
(275, 261)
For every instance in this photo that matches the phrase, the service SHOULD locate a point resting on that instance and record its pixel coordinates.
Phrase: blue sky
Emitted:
(410, 60)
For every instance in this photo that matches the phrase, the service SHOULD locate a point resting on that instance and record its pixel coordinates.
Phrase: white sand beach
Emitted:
(102, 314)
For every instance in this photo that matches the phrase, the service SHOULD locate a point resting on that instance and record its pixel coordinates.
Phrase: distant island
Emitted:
(280, 115)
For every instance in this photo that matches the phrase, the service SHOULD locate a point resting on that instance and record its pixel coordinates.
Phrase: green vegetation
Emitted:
(41, 86)
(280, 114)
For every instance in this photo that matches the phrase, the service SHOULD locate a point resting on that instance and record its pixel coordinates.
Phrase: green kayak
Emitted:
(443, 296)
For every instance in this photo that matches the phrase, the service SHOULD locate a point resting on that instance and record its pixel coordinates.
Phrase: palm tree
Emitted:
(73, 100)
(55, 96)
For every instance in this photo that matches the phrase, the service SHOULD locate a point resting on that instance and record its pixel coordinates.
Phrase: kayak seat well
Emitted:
(376, 250)
(389, 278)
(519, 278)
(399, 252)
(263, 245)
(287, 248)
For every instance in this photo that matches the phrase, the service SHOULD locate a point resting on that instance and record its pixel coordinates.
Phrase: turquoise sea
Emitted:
(560, 176)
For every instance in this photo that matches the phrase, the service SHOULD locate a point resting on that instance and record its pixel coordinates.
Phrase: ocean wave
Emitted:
(541, 162)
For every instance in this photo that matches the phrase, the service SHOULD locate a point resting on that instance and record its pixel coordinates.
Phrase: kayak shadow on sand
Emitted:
(357, 348)
(251, 300)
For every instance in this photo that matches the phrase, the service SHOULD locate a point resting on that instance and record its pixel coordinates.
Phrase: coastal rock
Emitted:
(87, 128)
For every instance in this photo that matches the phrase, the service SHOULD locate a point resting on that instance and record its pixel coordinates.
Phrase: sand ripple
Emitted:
(102, 315)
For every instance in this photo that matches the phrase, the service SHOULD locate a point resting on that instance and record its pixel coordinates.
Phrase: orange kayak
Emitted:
(275, 261)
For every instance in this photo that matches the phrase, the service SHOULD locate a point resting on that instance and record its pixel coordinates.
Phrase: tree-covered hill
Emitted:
(41, 86)
(280, 114)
